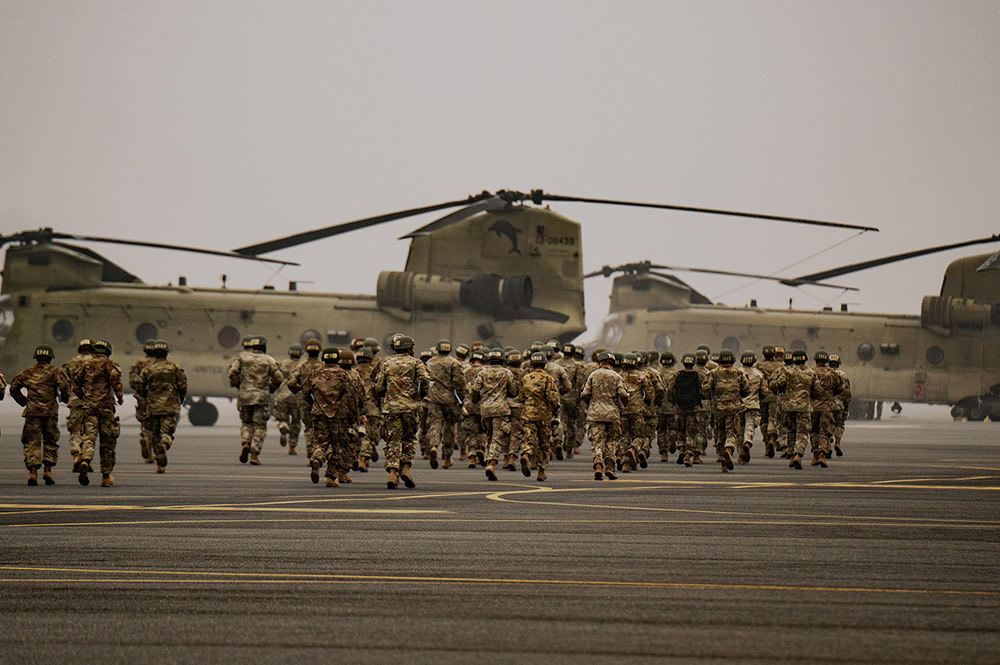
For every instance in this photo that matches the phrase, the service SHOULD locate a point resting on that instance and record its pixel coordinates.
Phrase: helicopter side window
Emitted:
(145, 332)
(662, 342)
(866, 352)
(308, 335)
(228, 337)
(731, 343)
(935, 355)
(62, 330)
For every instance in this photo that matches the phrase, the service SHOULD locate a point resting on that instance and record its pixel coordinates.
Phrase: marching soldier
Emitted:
(684, 392)
(769, 412)
(726, 385)
(99, 385)
(371, 432)
(295, 381)
(666, 423)
(444, 403)
(74, 422)
(490, 390)
(569, 417)
(751, 403)
(257, 376)
(604, 394)
(471, 426)
(46, 385)
(400, 383)
(565, 386)
(799, 385)
(540, 399)
(640, 393)
(843, 403)
(163, 387)
(516, 410)
(145, 437)
(335, 401)
(828, 385)
(286, 407)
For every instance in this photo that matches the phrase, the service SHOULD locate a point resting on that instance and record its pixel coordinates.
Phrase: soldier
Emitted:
(286, 403)
(604, 394)
(257, 376)
(462, 352)
(751, 403)
(490, 390)
(828, 385)
(769, 415)
(649, 414)
(423, 430)
(569, 417)
(295, 381)
(74, 422)
(640, 393)
(540, 401)
(799, 385)
(99, 385)
(400, 383)
(685, 394)
(583, 371)
(726, 386)
(371, 431)
(565, 387)
(703, 427)
(46, 386)
(516, 409)
(349, 453)
(471, 426)
(336, 402)
(843, 404)
(444, 403)
(163, 387)
(666, 423)
(145, 436)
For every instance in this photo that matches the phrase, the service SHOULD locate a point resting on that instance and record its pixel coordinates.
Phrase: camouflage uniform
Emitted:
(472, 437)
(540, 399)
(633, 420)
(569, 411)
(703, 424)
(751, 405)
(401, 381)
(842, 403)
(770, 415)
(726, 385)
(516, 418)
(824, 427)
(337, 398)
(295, 382)
(163, 386)
(46, 384)
(666, 424)
(688, 421)
(145, 435)
(257, 376)
(565, 387)
(604, 394)
(371, 433)
(444, 405)
(99, 385)
(76, 417)
(798, 385)
(490, 390)
(650, 413)
(287, 411)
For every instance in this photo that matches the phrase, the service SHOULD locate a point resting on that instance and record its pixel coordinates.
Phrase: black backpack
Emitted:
(687, 390)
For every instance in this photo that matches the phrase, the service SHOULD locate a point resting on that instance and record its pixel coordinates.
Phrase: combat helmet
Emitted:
(357, 343)
(147, 348)
(85, 344)
(799, 356)
(688, 360)
(331, 355)
(102, 347)
(346, 358)
(364, 355)
(160, 347)
(768, 352)
(537, 359)
(834, 360)
(727, 357)
(402, 343)
(44, 352)
(606, 357)
(443, 347)
(667, 359)
(749, 358)
(295, 351)
(313, 347)
(630, 360)
(821, 357)
(495, 356)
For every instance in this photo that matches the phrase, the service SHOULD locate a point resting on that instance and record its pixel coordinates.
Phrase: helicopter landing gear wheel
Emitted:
(897, 408)
(975, 412)
(203, 413)
(957, 412)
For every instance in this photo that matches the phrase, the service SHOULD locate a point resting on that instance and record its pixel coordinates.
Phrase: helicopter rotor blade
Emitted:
(157, 245)
(772, 278)
(538, 196)
(492, 204)
(864, 265)
(328, 231)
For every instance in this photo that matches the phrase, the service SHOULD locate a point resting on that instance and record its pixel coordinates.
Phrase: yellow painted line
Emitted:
(177, 576)
(229, 508)
(974, 468)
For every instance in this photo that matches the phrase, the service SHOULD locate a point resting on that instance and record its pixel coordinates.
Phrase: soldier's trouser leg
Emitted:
(693, 432)
(373, 434)
(294, 424)
(568, 420)
(259, 428)
(537, 444)
(452, 414)
(801, 426)
(435, 424)
(516, 432)
(322, 437)
(281, 414)
(821, 436)
(40, 437)
(307, 427)
(74, 423)
(751, 419)
(246, 424)
(162, 429)
(400, 431)
(701, 427)
(498, 429)
(88, 438)
(597, 432)
(110, 431)
(339, 448)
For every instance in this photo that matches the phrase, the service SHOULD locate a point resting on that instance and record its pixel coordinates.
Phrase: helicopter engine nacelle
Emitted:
(488, 294)
(949, 312)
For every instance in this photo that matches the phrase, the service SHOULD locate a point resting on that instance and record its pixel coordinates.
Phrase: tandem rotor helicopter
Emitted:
(503, 268)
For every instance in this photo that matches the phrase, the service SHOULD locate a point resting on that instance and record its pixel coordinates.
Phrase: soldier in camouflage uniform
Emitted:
(46, 386)
(565, 387)
(640, 393)
(605, 395)
(257, 376)
(726, 386)
(842, 402)
(666, 423)
(99, 385)
(286, 404)
(371, 431)
(295, 381)
(751, 403)
(471, 427)
(684, 392)
(163, 387)
(336, 400)
(539, 396)
(703, 364)
(145, 436)
(74, 422)
(462, 352)
(569, 416)
(400, 383)
(349, 454)
(769, 415)
(3, 386)
(828, 385)
(516, 408)
(798, 384)
(444, 403)
(650, 413)
(490, 391)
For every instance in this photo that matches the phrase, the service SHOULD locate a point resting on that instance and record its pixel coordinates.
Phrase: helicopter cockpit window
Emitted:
(145, 332)
(731, 343)
(866, 352)
(228, 337)
(62, 330)
(935, 355)
(662, 342)
(6, 319)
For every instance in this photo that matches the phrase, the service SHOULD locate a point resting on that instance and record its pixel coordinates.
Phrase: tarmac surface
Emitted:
(891, 555)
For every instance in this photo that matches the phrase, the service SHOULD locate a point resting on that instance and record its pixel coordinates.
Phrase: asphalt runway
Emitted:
(891, 555)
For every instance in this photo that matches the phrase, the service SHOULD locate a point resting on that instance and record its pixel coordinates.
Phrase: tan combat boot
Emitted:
(558, 452)
(107, 480)
(47, 475)
(332, 482)
(446, 463)
(393, 480)
(404, 473)
(540, 476)
(609, 472)
(473, 460)
(314, 473)
(525, 466)
(363, 465)
(688, 459)
(462, 453)
(254, 459)
(821, 459)
(837, 449)
(745, 452)
(815, 459)
(598, 472)
(342, 477)
(491, 470)
(32, 477)
(796, 462)
(84, 468)
(161, 468)
(291, 449)
(432, 455)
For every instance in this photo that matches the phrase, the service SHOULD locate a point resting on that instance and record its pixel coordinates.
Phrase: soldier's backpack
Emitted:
(687, 390)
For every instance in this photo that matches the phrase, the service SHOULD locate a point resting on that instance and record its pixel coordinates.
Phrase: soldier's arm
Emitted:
(3, 387)
(16, 388)
(63, 382)
(182, 384)
(458, 380)
(277, 378)
(234, 373)
(423, 379)
(587, 391)
(476, 389)
(116, 384)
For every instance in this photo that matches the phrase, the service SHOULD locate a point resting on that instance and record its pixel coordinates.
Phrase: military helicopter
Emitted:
(496, 269)
(948, 354)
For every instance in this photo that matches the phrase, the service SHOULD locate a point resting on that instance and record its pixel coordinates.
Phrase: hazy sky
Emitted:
(221, 124)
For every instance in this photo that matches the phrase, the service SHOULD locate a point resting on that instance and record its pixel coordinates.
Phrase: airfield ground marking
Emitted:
(180, 576)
